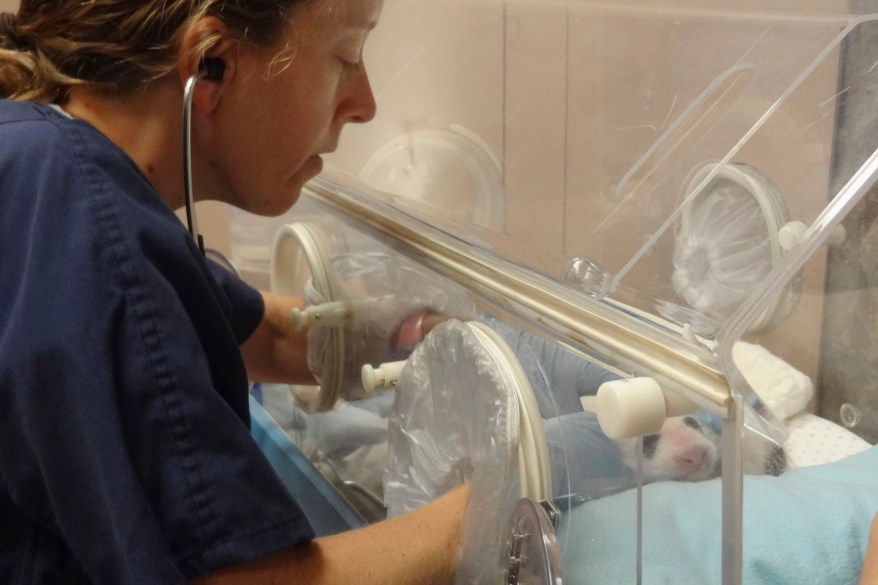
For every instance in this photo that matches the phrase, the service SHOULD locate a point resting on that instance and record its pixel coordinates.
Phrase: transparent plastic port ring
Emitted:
(301, 244)
(728, 241)
(465, 411)
(443, 169)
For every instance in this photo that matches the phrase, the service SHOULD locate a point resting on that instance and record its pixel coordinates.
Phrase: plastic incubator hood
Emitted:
(645, 185)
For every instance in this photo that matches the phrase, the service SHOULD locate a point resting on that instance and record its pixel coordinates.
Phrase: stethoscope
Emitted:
(211, 69)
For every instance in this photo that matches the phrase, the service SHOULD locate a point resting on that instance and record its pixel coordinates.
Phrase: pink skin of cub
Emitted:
(683, 450)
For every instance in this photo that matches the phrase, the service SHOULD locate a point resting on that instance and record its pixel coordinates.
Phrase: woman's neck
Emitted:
(147, 125)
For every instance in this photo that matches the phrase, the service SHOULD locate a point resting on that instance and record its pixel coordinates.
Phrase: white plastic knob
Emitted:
(838, 236)
(332, 314)
(384, 376)
(326, 314)
(634, 407)
(630, 407)
(790, 234)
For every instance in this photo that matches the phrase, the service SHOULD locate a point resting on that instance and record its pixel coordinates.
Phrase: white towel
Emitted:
(785, 390)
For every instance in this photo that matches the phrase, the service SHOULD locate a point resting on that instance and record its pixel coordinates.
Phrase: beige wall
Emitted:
(213, 223)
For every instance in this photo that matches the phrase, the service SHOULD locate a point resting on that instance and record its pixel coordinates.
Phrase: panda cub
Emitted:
(686, 450)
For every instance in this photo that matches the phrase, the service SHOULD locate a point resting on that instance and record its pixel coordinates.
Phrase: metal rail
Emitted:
(577, 320)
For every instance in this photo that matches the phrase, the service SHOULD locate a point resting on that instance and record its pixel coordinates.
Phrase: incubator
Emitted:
(612, 263)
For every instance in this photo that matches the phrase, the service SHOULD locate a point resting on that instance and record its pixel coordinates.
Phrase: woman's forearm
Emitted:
(870, 566)
(275, 352)
(418, 548)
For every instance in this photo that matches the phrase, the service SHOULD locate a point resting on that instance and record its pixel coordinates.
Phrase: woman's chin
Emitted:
(280, 200)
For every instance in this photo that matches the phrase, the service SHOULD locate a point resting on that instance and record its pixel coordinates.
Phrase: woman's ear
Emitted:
(207, 50)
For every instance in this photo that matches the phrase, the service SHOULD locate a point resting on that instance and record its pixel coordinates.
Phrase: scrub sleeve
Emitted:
(125, 453)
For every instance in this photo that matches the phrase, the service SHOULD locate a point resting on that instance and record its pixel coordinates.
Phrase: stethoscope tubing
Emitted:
(189, 198)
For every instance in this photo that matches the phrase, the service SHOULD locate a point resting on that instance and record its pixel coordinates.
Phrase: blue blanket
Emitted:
(809, 525)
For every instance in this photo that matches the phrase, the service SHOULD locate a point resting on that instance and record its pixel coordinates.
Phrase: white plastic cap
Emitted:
(634, 407)
(384, 376)
(630, 407)
(790, 234)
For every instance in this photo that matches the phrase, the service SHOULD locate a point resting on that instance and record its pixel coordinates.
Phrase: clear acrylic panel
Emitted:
(572, 137)
(680, 194)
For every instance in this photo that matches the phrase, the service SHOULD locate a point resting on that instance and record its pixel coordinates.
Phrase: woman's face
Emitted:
(287, 104)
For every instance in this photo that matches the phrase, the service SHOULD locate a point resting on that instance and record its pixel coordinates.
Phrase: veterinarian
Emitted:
(125, 453)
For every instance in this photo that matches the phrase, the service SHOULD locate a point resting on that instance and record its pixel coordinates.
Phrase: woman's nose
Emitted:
(360, 106)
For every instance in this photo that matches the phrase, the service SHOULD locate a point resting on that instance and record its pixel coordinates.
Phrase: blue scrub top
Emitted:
(125, 453)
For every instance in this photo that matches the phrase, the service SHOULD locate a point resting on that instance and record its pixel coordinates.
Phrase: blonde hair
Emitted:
(115, 46)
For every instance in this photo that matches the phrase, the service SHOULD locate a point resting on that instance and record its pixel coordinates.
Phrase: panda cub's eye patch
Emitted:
(690, 422)
(649, 445)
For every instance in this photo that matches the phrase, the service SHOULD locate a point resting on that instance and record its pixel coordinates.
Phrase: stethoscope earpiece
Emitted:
(213, 68)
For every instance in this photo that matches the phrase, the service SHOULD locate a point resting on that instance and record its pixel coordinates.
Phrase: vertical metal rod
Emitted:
(732, 496)
(640, 511)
